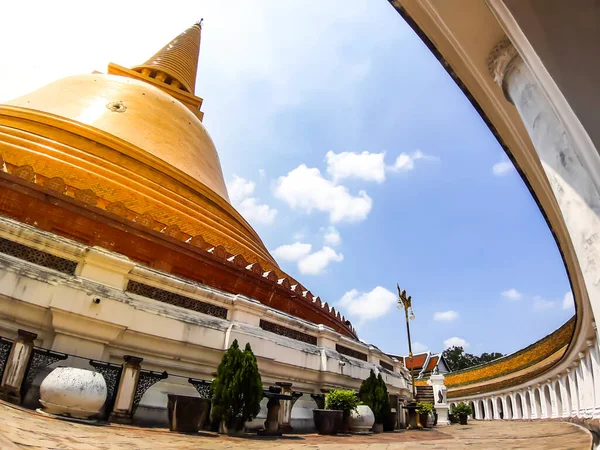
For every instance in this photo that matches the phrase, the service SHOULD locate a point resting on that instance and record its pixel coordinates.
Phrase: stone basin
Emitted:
(72, 392)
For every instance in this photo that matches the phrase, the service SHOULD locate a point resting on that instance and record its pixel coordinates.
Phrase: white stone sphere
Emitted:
(73, 392)
(361, 420)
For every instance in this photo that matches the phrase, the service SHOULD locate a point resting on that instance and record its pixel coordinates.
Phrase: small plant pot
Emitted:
(462, 420)
(235, 429)
(424, 419)
(187, 414)
(361, 420)
(328, 421)
(378, 428)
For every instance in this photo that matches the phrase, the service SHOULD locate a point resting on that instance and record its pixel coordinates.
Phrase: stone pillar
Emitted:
(573, 182)
(564, 398)
(525, 405)
(285, 412)
(595, 366)
(16, 366)
(533, 409)
(580, 386)
(516, 412)
(554, 412)
(439, 393)
(588, 385)
(544, 413)
(572, 380)
(123, 409)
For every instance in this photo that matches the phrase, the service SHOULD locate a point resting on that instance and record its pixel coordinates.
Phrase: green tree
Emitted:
(237, 388)
(457, 359)
(373, 393)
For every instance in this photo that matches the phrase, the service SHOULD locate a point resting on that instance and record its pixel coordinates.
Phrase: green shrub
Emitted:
(345, 400)
(373, 393)
(423, 408)
(237, 388)
(462, 409)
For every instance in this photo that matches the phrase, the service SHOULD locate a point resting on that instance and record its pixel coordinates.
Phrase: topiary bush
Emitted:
(237, 388)
(345, 400)
(373, 393)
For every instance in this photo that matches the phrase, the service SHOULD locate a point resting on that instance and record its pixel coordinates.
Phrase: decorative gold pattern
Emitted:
(56, 184)
(25, 172)
(87, 196)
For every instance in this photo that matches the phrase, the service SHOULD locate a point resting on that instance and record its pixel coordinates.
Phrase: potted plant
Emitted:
(237, 390)
(463, 411)
(373, 393)
(344, 400)
(424, 410)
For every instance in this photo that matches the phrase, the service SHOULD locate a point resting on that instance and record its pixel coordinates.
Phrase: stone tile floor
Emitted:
(25, 429)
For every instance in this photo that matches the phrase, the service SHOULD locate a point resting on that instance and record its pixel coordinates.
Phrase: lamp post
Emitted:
(405, 303)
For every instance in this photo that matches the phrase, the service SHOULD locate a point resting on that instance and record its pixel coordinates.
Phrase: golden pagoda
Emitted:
(122, 161)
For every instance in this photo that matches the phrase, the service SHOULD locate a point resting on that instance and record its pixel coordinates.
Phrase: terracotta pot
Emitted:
(235, 429)
(187, 414)
(327, 421)
(361, 420)
(73, 392)
(462, 420)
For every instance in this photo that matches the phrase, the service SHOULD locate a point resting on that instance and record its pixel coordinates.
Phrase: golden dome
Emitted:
(138, 113)
(144, 145)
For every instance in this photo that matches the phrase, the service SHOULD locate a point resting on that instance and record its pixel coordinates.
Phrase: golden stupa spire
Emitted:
(176, 63)
(172, 69)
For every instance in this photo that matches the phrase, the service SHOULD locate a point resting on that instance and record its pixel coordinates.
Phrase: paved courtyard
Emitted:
(24, 429)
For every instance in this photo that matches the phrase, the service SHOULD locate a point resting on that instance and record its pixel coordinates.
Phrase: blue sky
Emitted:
(354, 156)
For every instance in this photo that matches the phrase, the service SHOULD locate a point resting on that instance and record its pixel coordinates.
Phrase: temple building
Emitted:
(118, 240)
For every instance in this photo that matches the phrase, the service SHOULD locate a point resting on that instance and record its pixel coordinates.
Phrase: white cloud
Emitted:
(240, 191)
(502, 168)
(568, 301)
(405, 162)
(317, 262)
(541, 304)
(512, 294)
(365, 166)
(367, 305)
(456, 342)
(292, 252)
(299, 235)
(417, 347)
(306, 189)
(445, 316)
(332, 236)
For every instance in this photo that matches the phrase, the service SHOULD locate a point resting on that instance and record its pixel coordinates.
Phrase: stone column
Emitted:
(580, 386)
(477, 413)
(554, 412)
(587, 404)
(123, 409)
(285, 412)
(564, 398)
(525, 406)
(572, 380)
(16, 366)
(595, 366)
(572, 181)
